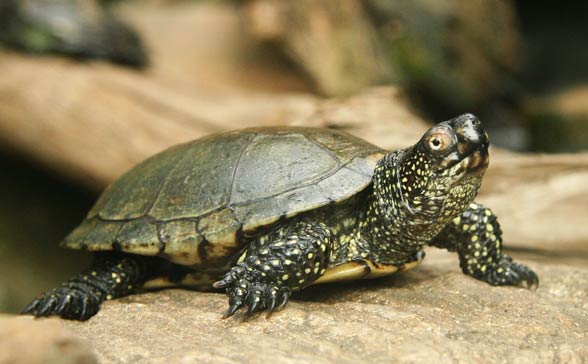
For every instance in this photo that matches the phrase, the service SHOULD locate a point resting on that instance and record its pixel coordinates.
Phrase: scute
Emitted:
(269, 210)
(181, 241)
(295, 161)
(219, 227)
(201, 181)
(345, 146)
(191, 202)
(342, 184)
(140, 237)
(132, 195)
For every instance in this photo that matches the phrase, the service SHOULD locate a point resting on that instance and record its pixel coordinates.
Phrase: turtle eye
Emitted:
(439, 141)
(435, 143)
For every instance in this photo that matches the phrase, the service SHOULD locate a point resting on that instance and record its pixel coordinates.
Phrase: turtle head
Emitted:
(421, 188)
(441, 174)
(451, 150)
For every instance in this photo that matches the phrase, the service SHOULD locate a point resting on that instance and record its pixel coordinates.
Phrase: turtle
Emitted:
(264, 212)
(81, 29)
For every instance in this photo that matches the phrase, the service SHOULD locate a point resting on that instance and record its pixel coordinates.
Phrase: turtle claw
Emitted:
(271, 300)
(45, 306)
(527, 278)
(255, 302)
(231, 311)
(31, 308)
(42, 306)
(285, 296)
(236, 299)
(230, 278)
(220, 284)
(254, 307)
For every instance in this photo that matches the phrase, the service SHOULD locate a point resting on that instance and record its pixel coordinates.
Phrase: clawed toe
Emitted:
(510, 273)
(69, 304)
(528, 278)
(255, 296)
(42, 306)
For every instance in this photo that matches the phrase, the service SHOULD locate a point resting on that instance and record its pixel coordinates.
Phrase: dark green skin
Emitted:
(266, 212)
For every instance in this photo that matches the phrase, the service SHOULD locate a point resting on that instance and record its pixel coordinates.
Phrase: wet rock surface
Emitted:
(431, 314)
(24, 340)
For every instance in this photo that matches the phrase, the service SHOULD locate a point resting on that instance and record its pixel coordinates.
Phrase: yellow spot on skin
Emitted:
(465, 227)
(489, 227)
(287, 262)
(118, 280)
(285, 277)
(109, 297)
(474, 238)
(307, 270)
(301, 281)
(310, 255)
(488, 213)
(93, 273)
(457, 220)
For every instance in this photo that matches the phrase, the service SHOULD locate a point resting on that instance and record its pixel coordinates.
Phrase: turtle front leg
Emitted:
(285, 260)
(111, 275)
(477, 238)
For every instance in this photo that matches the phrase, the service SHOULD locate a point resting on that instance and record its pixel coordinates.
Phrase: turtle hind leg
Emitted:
(111, 275)
(477, 238)
(287, 259)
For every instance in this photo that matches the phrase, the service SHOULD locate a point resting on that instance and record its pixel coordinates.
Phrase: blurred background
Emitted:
(90, 88)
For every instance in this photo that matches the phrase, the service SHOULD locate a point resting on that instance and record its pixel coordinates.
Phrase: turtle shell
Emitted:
(193, 202)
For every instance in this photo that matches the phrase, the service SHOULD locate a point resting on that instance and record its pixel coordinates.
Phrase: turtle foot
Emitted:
(72, 303)
(509, 273)
(246, 288)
